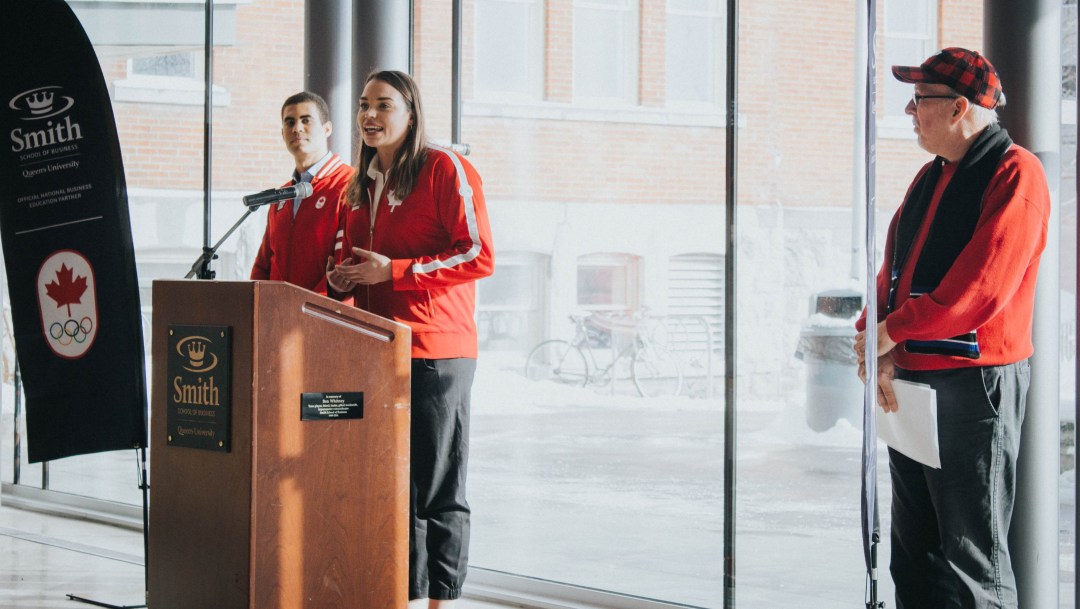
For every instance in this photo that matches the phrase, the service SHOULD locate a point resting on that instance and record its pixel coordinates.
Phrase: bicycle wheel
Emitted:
(559, 361)
(656, 373)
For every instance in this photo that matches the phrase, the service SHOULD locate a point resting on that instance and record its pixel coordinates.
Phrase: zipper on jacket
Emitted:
(371, 239)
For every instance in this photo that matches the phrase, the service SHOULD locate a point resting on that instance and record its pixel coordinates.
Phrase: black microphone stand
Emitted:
(202, 263)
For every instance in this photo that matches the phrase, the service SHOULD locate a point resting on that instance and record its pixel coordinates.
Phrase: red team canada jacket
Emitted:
(296, 249)
(439, 243)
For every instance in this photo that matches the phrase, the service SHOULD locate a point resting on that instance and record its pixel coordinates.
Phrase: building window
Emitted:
(167, 78)
(910, 37)
(606, 51)
(168, 65)
(509, 50)
(695, 52)
(509, 315)
(608, 282)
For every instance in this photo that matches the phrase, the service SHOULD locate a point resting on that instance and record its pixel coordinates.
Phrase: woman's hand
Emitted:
(373, 268)
(334, 278)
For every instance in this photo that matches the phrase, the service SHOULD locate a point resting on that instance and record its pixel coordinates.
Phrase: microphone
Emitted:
(266, 197)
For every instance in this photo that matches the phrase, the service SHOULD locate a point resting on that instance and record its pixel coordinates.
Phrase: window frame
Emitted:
(630, 263)
(178, 90)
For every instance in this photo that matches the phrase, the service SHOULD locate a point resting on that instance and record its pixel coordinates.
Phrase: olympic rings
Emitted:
(71, 331)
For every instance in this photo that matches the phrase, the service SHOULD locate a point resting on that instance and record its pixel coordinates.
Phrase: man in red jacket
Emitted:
(302, 233)
(957, 290)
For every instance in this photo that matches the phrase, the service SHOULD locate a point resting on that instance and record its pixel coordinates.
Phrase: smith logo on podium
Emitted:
(199, 411)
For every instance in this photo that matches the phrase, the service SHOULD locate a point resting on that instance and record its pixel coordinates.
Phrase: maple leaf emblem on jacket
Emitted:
(66, 290)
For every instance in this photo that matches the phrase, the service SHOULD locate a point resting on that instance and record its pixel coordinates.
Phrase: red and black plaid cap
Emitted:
(967, 72)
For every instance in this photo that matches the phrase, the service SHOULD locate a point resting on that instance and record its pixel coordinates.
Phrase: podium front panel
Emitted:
(331, 496)
(200, 500)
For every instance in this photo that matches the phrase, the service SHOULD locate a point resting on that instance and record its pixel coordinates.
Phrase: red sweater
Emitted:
(991, 286)
(439, 243)
(295, 249)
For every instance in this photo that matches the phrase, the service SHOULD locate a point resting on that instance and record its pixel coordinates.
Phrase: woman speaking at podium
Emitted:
(417, 237)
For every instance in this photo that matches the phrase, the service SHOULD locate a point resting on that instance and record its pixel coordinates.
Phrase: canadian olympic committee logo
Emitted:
(193, 352)
(67, 303)
(41, 103)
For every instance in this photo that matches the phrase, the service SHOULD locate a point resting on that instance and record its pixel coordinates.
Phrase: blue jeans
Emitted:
(950, 527)
(439, 452)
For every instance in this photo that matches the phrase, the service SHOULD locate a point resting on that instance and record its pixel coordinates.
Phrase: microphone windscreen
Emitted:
(304, 189)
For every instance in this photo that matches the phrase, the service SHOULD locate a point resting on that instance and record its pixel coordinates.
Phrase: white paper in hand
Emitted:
(912, 429)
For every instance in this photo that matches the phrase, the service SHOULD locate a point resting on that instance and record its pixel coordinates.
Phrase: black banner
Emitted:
(198, 411)
(67, 240)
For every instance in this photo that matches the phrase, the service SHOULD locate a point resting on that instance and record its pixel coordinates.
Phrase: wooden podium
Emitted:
(284, 513)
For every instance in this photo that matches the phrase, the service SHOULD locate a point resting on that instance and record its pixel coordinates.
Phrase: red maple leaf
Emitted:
(65, 290)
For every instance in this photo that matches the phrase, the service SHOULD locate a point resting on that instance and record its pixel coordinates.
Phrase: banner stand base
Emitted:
(144, 486)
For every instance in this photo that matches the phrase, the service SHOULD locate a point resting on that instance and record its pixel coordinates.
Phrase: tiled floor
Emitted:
(43, 559)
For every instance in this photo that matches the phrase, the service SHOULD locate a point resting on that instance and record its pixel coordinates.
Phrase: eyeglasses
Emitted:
(916, 98)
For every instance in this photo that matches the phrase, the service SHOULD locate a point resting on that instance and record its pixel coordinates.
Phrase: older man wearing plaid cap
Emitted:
(957, 288)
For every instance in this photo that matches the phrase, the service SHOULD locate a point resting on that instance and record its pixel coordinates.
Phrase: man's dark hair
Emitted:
(308, 96)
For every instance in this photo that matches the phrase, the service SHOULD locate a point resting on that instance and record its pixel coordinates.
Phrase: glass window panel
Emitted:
(689, 58)
(603, 285)
(504, 59)
(904, 51)
(906, 17)
(598, 52)
(562, 463)
(693, 5)
(909, 40)
(899, 51)
(604, 3)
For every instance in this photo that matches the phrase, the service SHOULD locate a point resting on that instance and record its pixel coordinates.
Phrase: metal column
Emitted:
(731, 326)
(1023, 41)
(328, 66)
(382, 30)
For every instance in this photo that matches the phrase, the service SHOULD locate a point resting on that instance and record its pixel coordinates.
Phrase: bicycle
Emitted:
(654, 370)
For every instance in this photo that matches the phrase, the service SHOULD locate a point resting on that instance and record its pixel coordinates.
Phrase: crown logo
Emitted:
(40, 102)
(196, 353)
